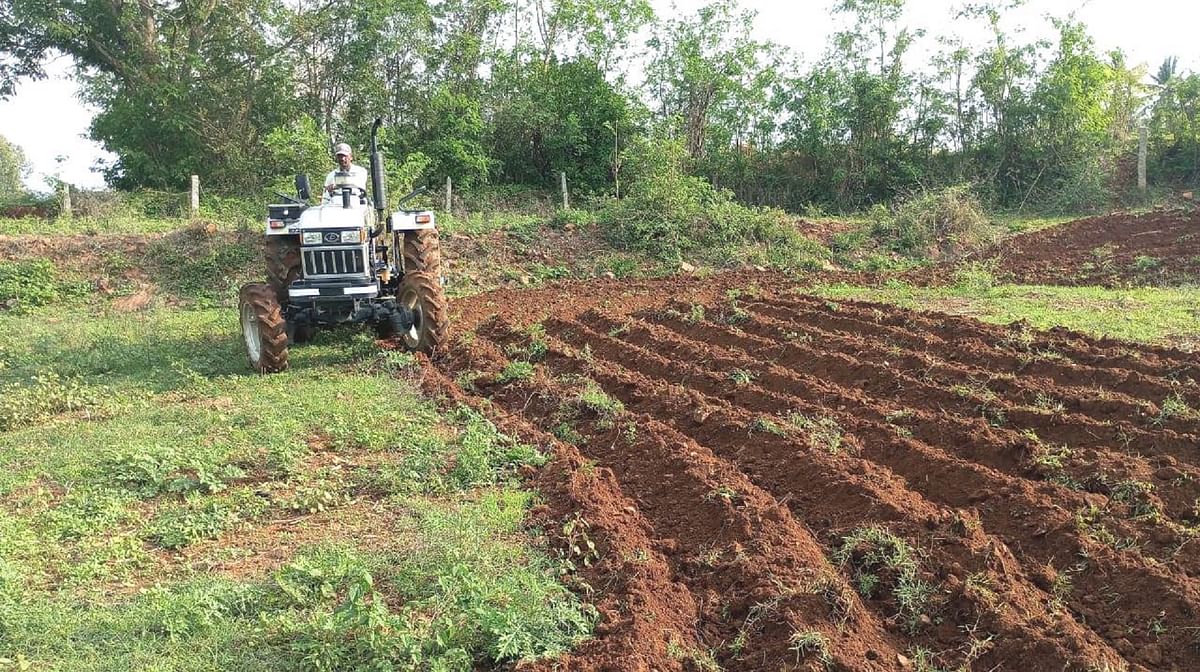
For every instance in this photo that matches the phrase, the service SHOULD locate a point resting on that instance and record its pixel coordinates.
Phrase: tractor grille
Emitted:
(322, 262)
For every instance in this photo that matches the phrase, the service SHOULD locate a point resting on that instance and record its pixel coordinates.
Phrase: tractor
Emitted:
(345, 262)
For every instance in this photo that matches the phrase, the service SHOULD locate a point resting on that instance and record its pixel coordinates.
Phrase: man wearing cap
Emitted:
(358, 175)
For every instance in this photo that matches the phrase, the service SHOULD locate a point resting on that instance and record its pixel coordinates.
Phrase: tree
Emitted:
(1166, 71)
(700, 65)
(182, 88)
(559, 118)
(13, 169)
(1175, 130)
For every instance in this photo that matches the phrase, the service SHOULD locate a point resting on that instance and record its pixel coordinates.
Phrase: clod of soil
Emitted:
(867, 488)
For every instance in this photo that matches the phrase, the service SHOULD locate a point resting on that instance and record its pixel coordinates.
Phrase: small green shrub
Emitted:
(822, 432)
(166, 469)
(813, 644)
(974, 278)
(741, 377)
(599, 402)
(1145, 264)
(516, 371)
(483, 455)
(200, 517)
(1139, 497)
(191, 609)
(620, 265)
(1175, 408)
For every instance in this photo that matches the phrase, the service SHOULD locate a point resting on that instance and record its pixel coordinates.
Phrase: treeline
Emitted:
(511, 92)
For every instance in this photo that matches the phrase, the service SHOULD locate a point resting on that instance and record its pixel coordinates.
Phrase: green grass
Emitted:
(91, 226)
(1169, 316)
(144, 472)
(881, 563)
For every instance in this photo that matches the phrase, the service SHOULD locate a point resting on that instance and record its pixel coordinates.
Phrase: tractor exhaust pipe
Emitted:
(377, 183)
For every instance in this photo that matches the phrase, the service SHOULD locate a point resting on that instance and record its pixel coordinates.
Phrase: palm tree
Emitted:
(1166, 71)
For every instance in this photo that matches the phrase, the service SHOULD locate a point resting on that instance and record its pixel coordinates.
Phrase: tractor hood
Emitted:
(326, 216)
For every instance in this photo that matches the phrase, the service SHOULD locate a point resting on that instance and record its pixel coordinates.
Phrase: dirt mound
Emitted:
(1159, 248)
(761, 481)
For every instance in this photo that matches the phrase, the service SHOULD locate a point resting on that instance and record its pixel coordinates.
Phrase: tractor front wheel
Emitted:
(263, 328)
(283, 263)
(422, 294)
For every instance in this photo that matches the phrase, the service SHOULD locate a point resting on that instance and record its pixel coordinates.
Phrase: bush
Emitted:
(667, 212)
(943, 223)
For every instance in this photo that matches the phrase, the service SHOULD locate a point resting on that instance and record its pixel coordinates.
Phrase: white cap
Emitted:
(342, 148)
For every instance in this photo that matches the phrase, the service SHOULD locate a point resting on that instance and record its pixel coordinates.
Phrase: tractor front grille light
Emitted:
(312, 237)
(352, 237)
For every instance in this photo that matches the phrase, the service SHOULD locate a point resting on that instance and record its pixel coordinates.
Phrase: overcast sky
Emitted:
(47, 121)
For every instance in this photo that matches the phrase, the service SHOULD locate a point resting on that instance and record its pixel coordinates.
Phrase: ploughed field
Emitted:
(755, 479)
(1157, 248)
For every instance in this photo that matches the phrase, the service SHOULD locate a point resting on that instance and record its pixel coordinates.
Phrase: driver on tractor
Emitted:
(357, 175)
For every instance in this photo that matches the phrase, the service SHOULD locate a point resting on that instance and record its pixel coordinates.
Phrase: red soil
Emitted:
(1159, 248)
(1048, 497)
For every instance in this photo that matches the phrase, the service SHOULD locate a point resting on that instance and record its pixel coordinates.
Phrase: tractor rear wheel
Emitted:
(263, 328)
(423, 295)
(422, 252)
(283, 264)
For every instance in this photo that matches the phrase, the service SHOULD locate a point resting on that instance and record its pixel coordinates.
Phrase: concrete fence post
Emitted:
(566, 196)
(65, 209)
(194, 208)
(449, 194)
(1143, 150)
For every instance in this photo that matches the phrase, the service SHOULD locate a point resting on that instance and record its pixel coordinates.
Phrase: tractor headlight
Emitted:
(352, 236)
(312, 238)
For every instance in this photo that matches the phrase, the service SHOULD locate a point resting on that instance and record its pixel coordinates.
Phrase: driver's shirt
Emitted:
(358, 178)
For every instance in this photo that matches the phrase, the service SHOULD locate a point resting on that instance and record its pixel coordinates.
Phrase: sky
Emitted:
(46, 119)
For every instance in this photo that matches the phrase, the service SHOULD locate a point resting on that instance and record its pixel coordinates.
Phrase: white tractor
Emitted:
(342, 262)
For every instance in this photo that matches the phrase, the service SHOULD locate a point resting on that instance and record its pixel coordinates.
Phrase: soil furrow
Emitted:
(742, 555)
(992, 432)
(970, 349)
(1019, 512)
(1019, 338)
(1031, 391)
(1143, 489)
(970, 399)
(839, 493)
(633, 587)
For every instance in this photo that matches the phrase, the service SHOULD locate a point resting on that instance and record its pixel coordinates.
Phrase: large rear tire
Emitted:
(263, 328)
(283, 264)
(422, 252)
(423, 295)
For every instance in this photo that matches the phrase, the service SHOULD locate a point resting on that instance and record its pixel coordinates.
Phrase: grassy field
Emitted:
(162, 509)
